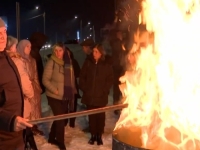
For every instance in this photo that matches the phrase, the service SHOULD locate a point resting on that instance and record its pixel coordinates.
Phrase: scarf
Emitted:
(57, 60)
(69, 81)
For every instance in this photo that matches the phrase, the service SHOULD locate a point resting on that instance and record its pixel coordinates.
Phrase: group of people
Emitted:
(60, 79)
(21, 86)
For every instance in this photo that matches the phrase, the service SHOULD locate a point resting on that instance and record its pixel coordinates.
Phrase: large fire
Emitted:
(163, 86)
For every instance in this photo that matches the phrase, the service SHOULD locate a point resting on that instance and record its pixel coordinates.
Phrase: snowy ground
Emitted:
(75, 138)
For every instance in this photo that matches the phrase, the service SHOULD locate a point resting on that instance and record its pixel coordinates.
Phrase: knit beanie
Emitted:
(2, 23)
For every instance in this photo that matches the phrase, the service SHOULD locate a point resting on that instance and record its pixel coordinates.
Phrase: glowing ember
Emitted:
(163, 86)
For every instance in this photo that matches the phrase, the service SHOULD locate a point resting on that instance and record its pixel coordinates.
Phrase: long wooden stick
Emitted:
(78, 114)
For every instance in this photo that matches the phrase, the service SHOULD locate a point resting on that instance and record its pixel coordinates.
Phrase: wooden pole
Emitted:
(79, 114)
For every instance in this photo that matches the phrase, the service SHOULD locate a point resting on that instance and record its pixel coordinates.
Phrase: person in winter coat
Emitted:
(95, 81)
(117, 52)
(37, 40)
(27, 87)
(59, 80)
(24, 48)
(12, 122)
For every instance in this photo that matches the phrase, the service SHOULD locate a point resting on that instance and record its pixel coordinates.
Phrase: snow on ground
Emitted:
(75, 138)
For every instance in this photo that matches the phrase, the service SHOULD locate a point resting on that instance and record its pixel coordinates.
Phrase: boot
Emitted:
(99, 139)
(92, 139)
(30, 139)
(32, 143)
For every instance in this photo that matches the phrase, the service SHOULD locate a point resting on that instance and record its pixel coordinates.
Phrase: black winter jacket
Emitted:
(95, 81)
(11, 96)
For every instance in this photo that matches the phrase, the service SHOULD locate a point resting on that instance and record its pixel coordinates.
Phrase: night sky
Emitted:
(60, 22)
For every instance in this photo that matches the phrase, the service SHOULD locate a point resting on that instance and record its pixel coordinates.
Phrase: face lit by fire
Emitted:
(59, 52)
(96, 54)
(3, 38)
(27, 49)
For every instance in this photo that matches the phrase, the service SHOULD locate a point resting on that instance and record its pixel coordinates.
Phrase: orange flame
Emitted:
(163, 88)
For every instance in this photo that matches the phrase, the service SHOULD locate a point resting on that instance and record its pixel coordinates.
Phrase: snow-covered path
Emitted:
(75, 138)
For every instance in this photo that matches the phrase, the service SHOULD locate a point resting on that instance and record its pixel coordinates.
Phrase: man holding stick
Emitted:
(12, 122)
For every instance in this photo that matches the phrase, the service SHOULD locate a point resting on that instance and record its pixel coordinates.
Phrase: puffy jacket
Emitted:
(95, 81)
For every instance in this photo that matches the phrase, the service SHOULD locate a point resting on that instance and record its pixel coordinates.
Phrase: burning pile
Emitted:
(163, 86)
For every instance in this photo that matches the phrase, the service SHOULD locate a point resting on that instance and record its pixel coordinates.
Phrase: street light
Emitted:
(44, 16)
(18, 19)
(81, 28)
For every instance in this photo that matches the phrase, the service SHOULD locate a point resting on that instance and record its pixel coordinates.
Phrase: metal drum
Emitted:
(126, 139)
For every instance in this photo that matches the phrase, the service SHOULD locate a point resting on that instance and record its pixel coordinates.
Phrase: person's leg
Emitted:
(92, 120)
(72, 120)
(101, 122)
(116, 90)
(30, 139)
(52, 134)
(100, 127)
(92, 126)
(58, 127)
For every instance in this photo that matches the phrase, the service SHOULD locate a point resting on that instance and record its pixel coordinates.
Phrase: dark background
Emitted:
(60, 22)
